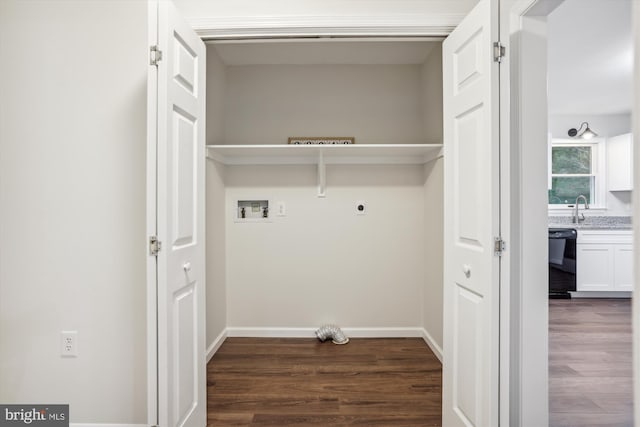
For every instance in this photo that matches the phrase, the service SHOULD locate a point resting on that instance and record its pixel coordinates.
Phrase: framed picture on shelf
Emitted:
(321, 140)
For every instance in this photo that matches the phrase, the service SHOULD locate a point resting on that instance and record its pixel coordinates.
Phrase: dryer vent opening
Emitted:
(333, 332)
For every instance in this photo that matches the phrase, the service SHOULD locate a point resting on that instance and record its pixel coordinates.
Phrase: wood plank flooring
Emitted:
(590, 363)
(397, 382)
(303, 382)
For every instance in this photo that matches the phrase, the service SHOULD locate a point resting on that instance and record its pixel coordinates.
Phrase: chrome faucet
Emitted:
(576, 218)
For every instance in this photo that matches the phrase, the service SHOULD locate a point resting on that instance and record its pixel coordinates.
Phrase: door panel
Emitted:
(185, 65)
(467, 128)
(471, 271)
(180, 217)
(185, 353)
(185, 149)
(467, 376)
(467, 62)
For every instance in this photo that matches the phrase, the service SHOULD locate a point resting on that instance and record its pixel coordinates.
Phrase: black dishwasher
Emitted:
(562, 262)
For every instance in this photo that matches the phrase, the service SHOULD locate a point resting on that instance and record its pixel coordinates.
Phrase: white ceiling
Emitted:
(325, 52)
(591, 57)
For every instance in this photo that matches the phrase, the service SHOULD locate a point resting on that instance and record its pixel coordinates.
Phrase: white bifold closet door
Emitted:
(471, 271)
(181, 364)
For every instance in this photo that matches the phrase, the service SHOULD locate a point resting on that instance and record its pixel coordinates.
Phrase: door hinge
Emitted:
(155, 246)
(155, 55)
(498, 51)
(499, 246)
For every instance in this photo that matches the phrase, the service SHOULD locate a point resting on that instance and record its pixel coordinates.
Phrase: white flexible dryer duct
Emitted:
(333, 332)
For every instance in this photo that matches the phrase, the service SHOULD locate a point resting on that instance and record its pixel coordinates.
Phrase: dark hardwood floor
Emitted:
(398, 382)
(590, 363)
(303, 382)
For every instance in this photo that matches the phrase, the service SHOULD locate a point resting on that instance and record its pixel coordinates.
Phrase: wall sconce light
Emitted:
(580, 133)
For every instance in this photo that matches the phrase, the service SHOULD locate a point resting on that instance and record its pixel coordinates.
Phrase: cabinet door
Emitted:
(595, 267)
(620, 163)
(623, 267)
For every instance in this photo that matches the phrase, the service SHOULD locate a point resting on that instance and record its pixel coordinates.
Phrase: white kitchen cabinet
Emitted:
(620, 162)
(595, 267)
(623, 267)
(604, 260)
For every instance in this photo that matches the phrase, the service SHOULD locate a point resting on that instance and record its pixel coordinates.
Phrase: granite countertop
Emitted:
(592, 222)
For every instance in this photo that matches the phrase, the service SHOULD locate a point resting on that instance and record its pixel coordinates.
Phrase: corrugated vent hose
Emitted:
(333, 332)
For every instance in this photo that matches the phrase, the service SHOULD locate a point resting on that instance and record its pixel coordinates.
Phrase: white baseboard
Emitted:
(215, 345)
(310, 332)
(250, 332)
(432, 344)
(383, 332)
(105, 425)
(601, 294)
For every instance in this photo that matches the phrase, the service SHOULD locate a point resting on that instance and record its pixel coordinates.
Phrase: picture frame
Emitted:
(321, 140)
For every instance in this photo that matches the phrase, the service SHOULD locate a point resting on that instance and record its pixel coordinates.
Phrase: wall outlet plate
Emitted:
(69, 343)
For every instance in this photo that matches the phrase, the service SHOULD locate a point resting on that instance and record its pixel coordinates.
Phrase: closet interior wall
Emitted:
(322, 262)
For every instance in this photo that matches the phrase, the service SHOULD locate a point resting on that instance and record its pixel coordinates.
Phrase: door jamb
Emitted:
(151, 223)
(635, 124)
(527, 397)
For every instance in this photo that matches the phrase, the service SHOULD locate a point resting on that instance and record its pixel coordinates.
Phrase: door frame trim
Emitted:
(635, 128)
(422, 24)
(419, 25)
(527, 377)
(152, 223)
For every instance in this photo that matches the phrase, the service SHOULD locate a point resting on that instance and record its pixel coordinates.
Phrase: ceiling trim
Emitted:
(432, 24)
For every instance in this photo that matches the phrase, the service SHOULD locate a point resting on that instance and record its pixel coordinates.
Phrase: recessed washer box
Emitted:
(252, 210)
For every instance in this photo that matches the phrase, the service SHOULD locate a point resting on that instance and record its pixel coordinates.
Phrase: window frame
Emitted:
(597, 170)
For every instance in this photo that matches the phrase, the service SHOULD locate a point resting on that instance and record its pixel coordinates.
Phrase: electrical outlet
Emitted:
(282, 209)
(69, 343)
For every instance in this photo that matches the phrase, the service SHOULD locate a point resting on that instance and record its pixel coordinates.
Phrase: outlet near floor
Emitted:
(69, 343)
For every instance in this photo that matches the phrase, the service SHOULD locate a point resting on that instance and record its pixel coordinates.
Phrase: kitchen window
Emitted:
(575, 170)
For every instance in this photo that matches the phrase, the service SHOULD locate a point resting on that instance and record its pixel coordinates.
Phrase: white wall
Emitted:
(431, 103)
(377, 104)
(323, 263)
(604, 125)
(215, 195)
(72, 206)
(619, 202)
(434, 241)
(434, 197)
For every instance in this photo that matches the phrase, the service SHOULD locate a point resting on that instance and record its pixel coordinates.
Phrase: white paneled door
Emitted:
(471, 274)
(180, 222)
